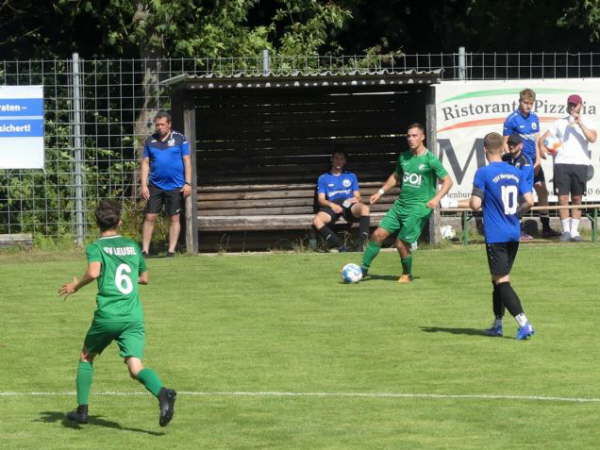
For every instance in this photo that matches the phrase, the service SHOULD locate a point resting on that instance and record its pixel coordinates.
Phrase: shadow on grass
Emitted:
(467, 331)
(55, 416)
(384, 278)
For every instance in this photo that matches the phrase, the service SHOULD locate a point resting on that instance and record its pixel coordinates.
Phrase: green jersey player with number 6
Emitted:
(118, 266)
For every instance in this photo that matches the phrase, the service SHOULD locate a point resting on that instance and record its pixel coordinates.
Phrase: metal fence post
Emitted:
(462, 65)
(266, 62)
(78, 148)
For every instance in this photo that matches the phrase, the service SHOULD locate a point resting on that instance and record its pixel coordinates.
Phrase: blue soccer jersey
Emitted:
(527, 127)
(337, 188)
(166, 160)
(500, 185)
(524, 164)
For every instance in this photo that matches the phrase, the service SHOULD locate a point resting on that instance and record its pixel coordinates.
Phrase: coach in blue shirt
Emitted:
(525, 122)
(338, 195)
(166, 178)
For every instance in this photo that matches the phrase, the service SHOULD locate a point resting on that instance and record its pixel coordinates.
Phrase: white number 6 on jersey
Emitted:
(122, 279)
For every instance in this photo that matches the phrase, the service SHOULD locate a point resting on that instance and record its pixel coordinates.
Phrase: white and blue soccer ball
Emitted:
(351, 273)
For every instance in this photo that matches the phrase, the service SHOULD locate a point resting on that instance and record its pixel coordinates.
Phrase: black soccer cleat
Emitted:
(166, 403)
(79, 415)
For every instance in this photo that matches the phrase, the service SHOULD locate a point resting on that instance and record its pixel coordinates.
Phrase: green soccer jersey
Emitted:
(418, 175)
(118, 297)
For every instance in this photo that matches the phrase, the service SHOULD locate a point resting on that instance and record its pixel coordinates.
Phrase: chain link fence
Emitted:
(119, 97)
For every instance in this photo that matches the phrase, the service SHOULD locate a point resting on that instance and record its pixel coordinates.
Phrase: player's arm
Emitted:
(590, 135)
(391, 182)
(478, 193)
(322, 199)
(187, 166)
(542, 150)
(92, 272)
(144, 171)
(143, 278)
(446, 185)
(526, 204)
(356, 197)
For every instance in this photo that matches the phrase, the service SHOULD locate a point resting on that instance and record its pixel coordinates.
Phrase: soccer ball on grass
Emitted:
(351, 273)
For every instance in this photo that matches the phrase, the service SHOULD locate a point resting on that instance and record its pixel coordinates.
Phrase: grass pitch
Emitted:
(373, 365)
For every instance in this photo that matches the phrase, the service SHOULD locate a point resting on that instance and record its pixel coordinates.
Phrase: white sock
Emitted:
(575, 227)
(566, 225)
(521, 319)
(497, 322)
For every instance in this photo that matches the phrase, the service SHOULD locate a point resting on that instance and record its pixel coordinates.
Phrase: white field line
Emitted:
(384, 395)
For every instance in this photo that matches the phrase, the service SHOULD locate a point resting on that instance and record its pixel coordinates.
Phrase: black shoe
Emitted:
(170, 254)
(80, 415)
(166, 403)
(145, 254)
(550, 233)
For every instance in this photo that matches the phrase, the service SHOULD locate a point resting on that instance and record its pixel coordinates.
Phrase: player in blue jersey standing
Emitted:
(525, 122)
(501, 191)
(338, 195)
(515, 157)
(166, 177)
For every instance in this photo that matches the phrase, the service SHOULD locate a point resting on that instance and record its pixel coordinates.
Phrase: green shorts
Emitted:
(408, 222)
(129, 337)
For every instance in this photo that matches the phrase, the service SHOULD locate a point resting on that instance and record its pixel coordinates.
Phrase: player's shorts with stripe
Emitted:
(129, 337)
(408, 222)
(501, 256)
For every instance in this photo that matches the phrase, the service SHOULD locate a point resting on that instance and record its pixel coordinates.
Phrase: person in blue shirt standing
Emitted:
(166, 176)
(502, 192)
(517, 158)
(338, 195)
(525, 122)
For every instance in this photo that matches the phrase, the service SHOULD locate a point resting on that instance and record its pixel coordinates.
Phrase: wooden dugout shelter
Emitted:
(259, 142)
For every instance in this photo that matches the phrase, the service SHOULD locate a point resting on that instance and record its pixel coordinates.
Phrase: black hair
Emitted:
(162, 115)
(108, 214)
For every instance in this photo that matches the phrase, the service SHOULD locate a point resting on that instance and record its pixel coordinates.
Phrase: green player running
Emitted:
(118, 265)
(418, 170)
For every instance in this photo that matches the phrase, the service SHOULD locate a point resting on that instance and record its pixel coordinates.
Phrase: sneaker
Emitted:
(405, 278)
(550, 233)
(525, 237)
(494, 330)
(170, 254)
(577, 238)
(79, 415)
(145, 254)
(525, 332)
(166, 403)
(343, 249)
(365, 271)
(565, 236)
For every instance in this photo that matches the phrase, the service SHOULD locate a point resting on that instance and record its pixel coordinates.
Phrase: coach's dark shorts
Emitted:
(501, 256)
(346, 213)
(173, 201)
(570, 179)
(539, 177)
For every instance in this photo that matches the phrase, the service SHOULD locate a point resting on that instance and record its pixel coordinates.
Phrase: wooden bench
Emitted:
(16, 240)
(264, 207)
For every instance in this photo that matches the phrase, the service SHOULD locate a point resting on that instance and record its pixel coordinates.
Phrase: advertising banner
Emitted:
(21, 127)
(467, 110)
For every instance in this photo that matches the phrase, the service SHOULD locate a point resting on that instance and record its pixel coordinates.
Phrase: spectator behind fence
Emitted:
(166, 174)
(526, 123)
(572, 163)
(338, 194)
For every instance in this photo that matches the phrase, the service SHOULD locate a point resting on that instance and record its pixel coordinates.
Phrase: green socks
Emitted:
(85, 374)
(370, 253)
(150, 381)
(407, 265)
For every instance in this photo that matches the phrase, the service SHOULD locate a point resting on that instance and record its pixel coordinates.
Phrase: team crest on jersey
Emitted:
(533, 125)
(171, 142)
(347, 183)
(421, 167)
